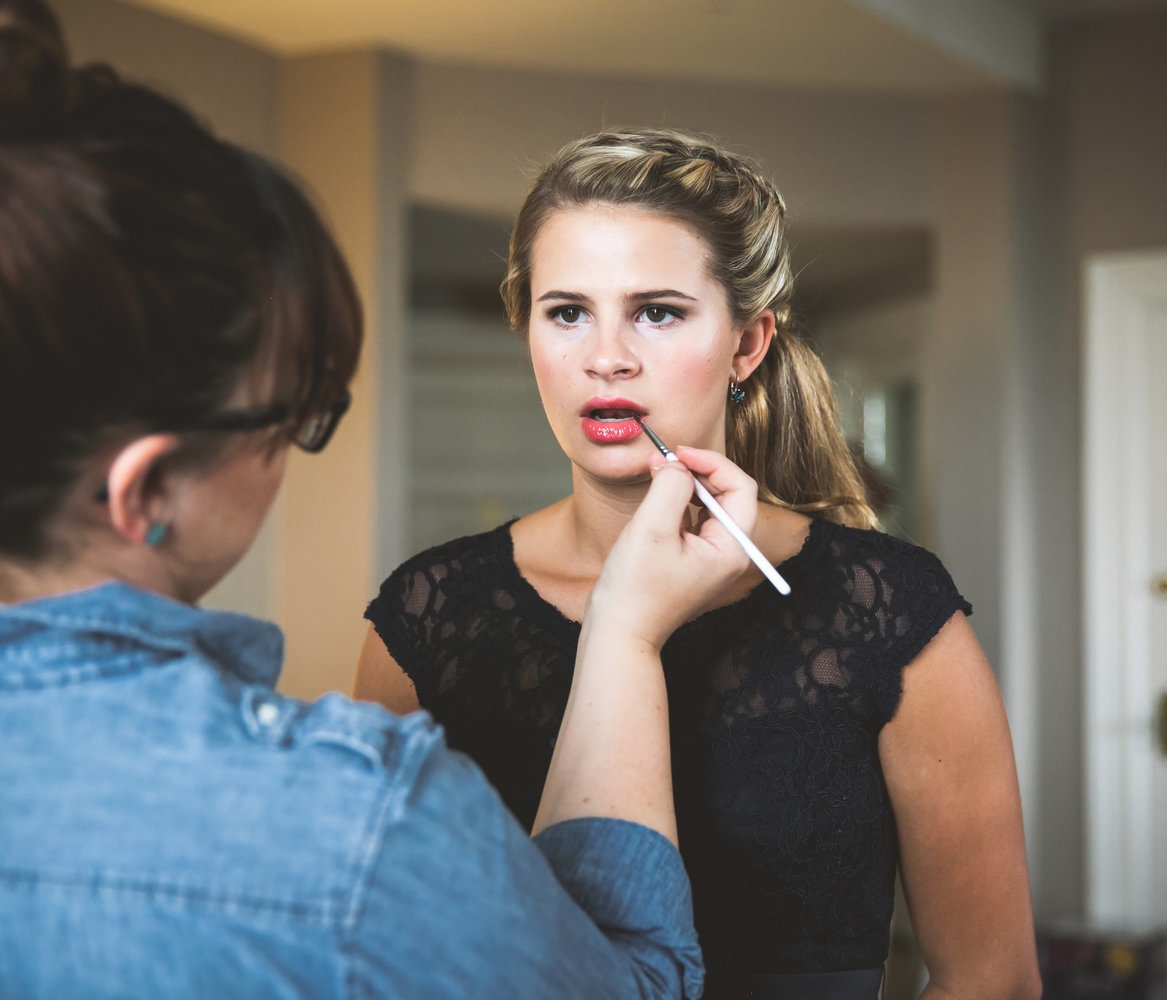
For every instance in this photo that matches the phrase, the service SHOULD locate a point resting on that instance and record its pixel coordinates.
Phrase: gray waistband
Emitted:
(857, 984)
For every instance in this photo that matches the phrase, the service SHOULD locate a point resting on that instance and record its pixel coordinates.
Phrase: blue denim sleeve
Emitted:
(458, 902)
(632, 884)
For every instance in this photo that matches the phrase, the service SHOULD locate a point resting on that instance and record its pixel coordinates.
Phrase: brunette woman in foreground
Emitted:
(173, 317)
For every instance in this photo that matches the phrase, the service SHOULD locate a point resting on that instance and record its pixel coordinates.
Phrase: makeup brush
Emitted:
(719, 512)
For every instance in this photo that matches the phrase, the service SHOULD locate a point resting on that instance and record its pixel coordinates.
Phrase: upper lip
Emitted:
(611, 403)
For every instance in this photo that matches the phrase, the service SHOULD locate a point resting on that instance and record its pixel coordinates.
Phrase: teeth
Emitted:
(612, 414)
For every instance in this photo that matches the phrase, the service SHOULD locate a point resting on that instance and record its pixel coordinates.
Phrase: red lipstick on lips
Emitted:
(611, 421)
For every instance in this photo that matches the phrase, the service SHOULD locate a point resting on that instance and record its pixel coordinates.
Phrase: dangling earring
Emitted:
(736, 393)
(155, 535)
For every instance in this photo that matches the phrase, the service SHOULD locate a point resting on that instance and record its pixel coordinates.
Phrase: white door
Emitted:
(1125, 588)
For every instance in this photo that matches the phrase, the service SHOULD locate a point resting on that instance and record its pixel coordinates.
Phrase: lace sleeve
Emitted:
(405, 613)
(900, 596)
(489, 659)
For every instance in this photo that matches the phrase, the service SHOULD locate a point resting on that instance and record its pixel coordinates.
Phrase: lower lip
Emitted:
(610, 431)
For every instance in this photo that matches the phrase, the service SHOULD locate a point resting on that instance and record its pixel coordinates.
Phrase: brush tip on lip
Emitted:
(660, 445)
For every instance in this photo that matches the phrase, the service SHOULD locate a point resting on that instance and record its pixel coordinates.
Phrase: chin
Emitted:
(617, 473)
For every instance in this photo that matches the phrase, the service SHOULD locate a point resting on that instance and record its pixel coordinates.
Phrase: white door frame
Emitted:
(1120, 289)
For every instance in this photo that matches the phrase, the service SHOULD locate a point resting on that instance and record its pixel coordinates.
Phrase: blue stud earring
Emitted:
(155, 535)
(736, 393)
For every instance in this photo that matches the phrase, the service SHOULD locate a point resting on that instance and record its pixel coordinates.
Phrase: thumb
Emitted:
(667, 500)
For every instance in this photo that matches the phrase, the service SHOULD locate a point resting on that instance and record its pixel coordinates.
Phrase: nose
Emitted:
(610, 352)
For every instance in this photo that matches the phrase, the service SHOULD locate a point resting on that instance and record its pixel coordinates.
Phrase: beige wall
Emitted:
(230, 84)
(339, 130)
(852, 160)
(976, 500)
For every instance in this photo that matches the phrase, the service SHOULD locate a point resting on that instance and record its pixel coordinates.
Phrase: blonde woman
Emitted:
(820, 740)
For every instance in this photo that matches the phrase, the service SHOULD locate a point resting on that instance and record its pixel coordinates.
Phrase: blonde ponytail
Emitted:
(787, 435)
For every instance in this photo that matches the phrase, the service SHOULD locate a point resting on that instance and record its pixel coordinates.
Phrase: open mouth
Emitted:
(612, 422)
(613, 414)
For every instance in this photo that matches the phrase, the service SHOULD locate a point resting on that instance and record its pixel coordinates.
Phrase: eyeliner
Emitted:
(719, 512)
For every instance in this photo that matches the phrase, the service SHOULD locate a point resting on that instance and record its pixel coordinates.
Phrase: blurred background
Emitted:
(978, 202)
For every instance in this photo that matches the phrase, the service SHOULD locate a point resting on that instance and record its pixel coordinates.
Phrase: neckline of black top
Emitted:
(550, 615)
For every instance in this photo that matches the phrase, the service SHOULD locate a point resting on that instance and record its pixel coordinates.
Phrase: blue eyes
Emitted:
(654, 315)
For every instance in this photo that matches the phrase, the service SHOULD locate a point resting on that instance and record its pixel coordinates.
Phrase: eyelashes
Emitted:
(654, 315)
(658, 315)
(566, 315)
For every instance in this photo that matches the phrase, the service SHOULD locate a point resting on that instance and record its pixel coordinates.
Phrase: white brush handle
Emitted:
(740, 536)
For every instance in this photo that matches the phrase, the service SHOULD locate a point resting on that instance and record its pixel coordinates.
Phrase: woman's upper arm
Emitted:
(947, 758)
(381, 679)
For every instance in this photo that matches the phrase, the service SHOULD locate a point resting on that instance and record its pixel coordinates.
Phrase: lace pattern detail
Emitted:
(776, 706)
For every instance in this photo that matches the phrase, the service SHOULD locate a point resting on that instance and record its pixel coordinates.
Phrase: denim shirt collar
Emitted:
(246, 646)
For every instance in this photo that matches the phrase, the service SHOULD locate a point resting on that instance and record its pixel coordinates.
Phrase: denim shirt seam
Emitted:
(322, 913)
(102, 624)
(389, 811)
(17, 680)
(363, 866)
(95, 620)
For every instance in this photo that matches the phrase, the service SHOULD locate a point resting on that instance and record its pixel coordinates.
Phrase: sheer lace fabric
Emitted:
(776, 706)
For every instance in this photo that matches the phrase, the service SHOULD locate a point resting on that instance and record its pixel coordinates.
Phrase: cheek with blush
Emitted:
(700, 384)
(551, 384)
(704, 378)
(549, 377)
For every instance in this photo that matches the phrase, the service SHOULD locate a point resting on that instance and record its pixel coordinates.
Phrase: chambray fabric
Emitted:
(170, 827)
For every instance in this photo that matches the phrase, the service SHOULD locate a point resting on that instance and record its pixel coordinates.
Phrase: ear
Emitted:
(753, 343)
(137, 493)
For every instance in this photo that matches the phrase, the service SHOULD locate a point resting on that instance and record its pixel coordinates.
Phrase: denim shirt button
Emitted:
(267, 714)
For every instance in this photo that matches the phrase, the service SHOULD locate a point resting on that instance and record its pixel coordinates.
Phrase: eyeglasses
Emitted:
(311, 436)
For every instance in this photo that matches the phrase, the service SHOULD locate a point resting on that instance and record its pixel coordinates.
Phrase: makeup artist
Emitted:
(821, 739)
(173, 319)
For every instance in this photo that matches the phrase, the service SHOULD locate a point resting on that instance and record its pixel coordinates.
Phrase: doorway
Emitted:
(1125, 588)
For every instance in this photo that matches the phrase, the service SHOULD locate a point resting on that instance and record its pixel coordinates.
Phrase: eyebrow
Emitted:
(655, 293)
(555, 294)
(660, 293)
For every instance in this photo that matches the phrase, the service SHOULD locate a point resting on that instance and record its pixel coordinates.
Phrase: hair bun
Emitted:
(36, 81)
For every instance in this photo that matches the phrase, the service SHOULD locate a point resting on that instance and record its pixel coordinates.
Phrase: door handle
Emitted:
(1161, 724)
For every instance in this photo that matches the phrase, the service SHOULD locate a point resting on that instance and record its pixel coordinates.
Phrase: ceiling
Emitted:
(900, 46)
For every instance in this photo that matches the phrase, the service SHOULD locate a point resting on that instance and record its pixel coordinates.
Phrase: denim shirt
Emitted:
(170, 827)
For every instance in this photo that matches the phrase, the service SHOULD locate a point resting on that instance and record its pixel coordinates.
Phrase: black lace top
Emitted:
(776, 706)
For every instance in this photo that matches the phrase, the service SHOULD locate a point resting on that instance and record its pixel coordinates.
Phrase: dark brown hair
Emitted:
(786, 433)
(146, 269)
